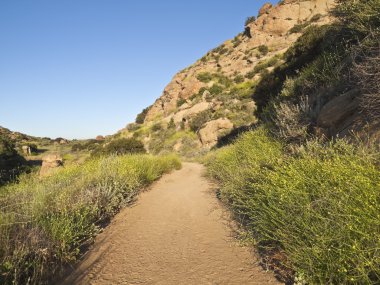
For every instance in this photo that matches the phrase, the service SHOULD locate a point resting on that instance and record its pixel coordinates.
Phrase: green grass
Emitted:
(46, 223)
(319, 208)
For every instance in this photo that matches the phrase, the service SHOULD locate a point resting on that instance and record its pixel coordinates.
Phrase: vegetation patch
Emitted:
(317, 210)
(46, 223)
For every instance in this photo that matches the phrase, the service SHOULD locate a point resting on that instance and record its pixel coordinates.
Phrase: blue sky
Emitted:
(80, 68)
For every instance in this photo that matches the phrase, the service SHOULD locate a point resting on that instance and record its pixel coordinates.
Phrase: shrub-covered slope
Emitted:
(315, 215)
(303, 67)
(213, 97)
(312, 204)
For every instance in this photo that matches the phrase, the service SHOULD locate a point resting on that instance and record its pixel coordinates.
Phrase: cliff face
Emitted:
(275, 29)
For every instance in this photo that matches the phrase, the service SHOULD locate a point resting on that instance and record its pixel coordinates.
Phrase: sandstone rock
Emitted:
(177, 146)
(99, 138)
(184, 106)
(208, 135)
(50, 163)
(26, 150)
(185, 115)
(265, 9)
(339, 109)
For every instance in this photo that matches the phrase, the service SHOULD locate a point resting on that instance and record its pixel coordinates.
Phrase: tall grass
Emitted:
(46, 223)
(318, 209)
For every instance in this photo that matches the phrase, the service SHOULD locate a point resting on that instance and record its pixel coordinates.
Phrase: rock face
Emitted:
(50, 163)
(240, 55)
(337, 112)
(26, 150)
(184, 115)
(212, 130)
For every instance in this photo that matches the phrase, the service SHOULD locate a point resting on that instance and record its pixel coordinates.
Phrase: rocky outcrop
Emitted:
(50, 163)
(265, 9)
(241, 54)
(26, 150)
(209, 134)
(185, 115)
(338, 110)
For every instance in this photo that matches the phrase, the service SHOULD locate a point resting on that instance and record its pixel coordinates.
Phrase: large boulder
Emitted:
(184, 115)
(50, 163)
(337, 112)
(209, 134)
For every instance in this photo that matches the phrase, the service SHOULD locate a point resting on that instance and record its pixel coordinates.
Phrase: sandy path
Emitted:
(175, 234)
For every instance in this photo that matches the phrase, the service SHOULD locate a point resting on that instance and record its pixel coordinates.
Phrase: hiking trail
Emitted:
(176, 233)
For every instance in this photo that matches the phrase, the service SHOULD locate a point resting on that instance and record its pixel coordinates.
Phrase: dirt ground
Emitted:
(176, 233)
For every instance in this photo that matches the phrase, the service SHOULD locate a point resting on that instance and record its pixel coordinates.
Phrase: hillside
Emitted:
(292, 48)
(208, 99)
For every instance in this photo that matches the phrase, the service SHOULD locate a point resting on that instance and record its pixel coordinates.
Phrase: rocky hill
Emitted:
(275, 29)
(224, 89)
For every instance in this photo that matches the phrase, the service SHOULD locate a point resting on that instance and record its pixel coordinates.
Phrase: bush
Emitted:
(316, 18)
(119, 147)
(316, 212)
(156, 127)
(46, 223)
(180, 102)
(222, 49)
(11, 163)
(291, 121)
(360, 16)
(199, 120)
(204, 77)
(141, 117)
(216, 89)
(236, 41)
(298, 28)
(263, 49)
(304, 51)
(249, 20)
(239, 79)
(367, 73)
(77, 147)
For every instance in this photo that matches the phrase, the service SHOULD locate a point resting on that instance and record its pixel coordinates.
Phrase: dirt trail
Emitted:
(176, 233)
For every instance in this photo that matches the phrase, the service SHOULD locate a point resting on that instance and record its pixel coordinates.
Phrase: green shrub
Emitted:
(298, 28)
(141, 117)
(360, 16)
(156, 127)
(314, 41)
(45, 223)
(11, 163)
(77, 147)
(239, 79)
(119, 147)
(199, 120)
(216, 89)
(222, 49)
(249, 20)
(171, 124)
(320, 208)
(316, 18)
(204, 77)
(263, 49)
(242, 90)
(236, 42)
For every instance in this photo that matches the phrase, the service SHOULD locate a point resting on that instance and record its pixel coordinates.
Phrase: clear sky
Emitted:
(80, 68)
